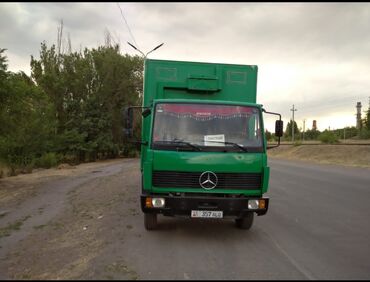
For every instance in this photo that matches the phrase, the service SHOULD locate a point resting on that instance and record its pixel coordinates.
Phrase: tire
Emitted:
(150, 221)
(245, 222)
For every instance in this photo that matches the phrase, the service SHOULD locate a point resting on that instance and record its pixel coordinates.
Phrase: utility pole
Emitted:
(344, 134)
(358, 124)
(293, 110)
(304, 124)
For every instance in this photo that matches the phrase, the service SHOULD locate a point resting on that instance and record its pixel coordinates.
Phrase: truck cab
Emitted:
(203, 147)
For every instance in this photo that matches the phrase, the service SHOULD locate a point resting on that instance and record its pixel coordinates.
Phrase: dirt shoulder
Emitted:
(15, 189)
(58, 224)
(352, 155)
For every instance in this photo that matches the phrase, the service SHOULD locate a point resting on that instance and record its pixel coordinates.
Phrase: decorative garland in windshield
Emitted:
(201, 117)
(205, 112)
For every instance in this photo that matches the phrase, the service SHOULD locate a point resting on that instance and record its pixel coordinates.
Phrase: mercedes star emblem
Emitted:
(208, 180)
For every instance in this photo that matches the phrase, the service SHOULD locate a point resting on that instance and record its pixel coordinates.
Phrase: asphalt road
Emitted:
(319, 219)
(317, 227)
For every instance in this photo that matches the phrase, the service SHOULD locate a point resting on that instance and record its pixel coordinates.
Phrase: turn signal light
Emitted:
(148, 202)
(262, 204)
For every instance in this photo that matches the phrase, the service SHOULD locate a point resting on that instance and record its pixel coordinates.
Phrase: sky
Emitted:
(313, 55)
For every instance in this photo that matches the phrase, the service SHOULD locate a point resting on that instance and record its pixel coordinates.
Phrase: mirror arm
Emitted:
(272, 113)
(273, 146)
(263, 110)
(145, 143)
(138, 107)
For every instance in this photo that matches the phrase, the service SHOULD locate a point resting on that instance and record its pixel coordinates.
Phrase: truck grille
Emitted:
(177, 179)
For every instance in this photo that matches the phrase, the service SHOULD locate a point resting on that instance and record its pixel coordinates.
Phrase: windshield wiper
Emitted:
(176, 141)
(231, 143)
(186, 143)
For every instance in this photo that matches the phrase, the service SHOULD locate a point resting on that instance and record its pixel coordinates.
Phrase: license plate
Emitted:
(207, 214)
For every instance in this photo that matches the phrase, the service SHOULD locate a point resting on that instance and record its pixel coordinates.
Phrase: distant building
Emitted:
(314, 125)
(358, 124)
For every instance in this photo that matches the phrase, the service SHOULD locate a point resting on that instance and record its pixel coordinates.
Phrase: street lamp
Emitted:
(142, 52)
(144, 55)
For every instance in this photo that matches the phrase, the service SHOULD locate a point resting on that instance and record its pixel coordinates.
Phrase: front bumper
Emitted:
(183, 205)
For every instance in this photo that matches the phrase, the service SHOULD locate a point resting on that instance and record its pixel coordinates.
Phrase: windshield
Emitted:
(207, 126)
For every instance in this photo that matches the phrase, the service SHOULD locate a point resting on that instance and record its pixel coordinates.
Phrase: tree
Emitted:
(89, 89)
(288, 130)
(71, 106)
(311, 134)
(364, 132)
(25, 117)
(4, 89)
(367, 120)
(268, 135)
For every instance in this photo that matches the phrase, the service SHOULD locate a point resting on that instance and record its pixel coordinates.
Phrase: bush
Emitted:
(297, 143)
(47, 160)
(133, 154)
(364, 134)
(328, 137)
(4, 170)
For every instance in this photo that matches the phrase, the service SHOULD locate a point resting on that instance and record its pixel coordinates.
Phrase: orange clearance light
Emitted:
(262, 204)
(148, 203)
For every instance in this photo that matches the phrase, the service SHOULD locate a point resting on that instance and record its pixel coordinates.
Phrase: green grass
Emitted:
(39, 226)
(57, 225)
(120, 267)
(6, 231)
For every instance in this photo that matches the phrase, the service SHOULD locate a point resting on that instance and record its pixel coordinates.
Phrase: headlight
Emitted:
(253, 204)
(158, 202)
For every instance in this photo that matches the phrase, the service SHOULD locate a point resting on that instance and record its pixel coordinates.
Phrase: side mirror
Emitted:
(128, 116)
(279, 125)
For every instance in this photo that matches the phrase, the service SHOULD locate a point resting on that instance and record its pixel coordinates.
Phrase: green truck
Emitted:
(203, 145)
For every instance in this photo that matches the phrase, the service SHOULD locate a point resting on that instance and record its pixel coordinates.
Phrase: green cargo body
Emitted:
(192, 85)
(199, 81)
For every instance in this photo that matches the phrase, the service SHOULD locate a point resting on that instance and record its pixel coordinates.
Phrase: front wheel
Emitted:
(150, 221)
(245, 222)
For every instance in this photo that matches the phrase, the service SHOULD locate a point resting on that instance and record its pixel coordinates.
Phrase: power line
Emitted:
(132, 36)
